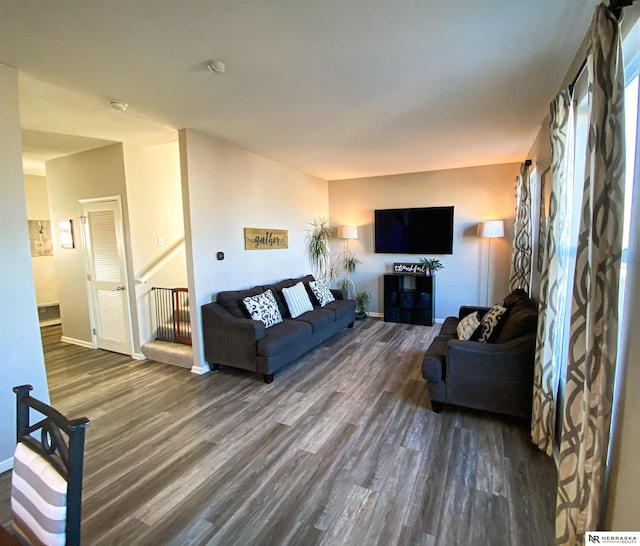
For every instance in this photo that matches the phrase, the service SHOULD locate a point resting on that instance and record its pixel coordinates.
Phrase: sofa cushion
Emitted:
(319, 319)
(321, 292)
(517, 295)
(342, 308)
(434, 362)
(490, 325)
(231, 300)
(297, 299)
(282, 335)
(467, 326)
(521, 320)
(263, 307)
(276, 288)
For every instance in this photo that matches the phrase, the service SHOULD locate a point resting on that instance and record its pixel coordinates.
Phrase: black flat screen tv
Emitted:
(426, 230)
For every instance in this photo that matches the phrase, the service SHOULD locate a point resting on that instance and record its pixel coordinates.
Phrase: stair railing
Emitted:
(161, 262)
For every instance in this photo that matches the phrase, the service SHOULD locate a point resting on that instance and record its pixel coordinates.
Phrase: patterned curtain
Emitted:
(554, 287)
(521, 258)
(542, 222)
(594, 311)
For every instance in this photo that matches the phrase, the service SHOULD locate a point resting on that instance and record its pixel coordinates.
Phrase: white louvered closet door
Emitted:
(107, 275)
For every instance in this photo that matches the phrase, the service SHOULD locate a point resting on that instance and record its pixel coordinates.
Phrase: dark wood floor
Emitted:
(341, 449)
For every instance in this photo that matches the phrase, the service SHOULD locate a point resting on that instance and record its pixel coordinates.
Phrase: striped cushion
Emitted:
(297, 300)
(38, 498)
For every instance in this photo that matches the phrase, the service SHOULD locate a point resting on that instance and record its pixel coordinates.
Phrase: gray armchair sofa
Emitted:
(233, 339)
(495, 376)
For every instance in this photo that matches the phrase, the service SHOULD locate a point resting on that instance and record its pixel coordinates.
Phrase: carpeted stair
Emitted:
(169, 353)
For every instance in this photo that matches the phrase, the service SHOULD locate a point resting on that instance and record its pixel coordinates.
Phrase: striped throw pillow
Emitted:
(38, 498)
(297, 300)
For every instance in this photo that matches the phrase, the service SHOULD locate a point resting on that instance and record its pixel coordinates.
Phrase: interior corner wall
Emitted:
(154, 197)
(85, 175)
(477, 193)
(22, 357)
(44, 267)
(226, 189)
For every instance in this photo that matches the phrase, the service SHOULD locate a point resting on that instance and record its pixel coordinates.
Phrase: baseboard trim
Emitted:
(79, 342)
(438, 320)
(200, 370)
(138, 356)
(5, 465)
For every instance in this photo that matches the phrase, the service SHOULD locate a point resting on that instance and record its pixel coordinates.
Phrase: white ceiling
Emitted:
(336, 88)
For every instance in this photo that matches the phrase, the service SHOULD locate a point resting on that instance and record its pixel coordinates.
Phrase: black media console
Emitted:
(409, 299)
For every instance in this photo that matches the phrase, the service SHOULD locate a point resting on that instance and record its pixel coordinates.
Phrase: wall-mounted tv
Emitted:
(426, 230)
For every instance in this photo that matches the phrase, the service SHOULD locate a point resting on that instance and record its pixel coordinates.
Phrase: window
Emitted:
(568, 244)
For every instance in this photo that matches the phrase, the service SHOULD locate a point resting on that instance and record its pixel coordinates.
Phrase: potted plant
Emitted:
(433, 265)
(362, 303)
(318, 248)
(350, 262)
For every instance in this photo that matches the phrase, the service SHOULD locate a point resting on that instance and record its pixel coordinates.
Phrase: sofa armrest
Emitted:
(339, 294)
(468, 309)
(492, 376)
(230, 340)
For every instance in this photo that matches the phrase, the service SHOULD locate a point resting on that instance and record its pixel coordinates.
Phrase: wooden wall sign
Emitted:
(265, 239)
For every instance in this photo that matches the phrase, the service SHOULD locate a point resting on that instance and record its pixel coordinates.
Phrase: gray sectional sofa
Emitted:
(233, 339)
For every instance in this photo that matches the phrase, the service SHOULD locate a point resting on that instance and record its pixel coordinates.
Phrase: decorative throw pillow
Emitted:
(321, 292)
(297, 299)
(38, 498)
(467, 326)
(263, 307)
(490, 322)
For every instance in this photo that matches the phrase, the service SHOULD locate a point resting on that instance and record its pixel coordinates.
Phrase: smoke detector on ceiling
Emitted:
(217, 67)
(118, 105)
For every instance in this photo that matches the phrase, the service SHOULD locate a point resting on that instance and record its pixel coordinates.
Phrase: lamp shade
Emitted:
(347, 232)
(491, 228)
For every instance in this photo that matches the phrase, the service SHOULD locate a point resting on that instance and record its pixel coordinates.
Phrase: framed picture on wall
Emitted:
(65, 231)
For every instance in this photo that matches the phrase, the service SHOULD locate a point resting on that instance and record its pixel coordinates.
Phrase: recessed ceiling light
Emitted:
(118, 105)
(217, 67)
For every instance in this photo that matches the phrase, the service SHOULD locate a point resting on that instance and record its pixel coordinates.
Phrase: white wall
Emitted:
(86, 175)
(226, 189)
(154, 196)
(22, 358)
(477, 193)
(44, 267)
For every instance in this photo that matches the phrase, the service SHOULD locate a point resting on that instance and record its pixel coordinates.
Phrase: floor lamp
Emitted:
(491, 229)
(348, 232)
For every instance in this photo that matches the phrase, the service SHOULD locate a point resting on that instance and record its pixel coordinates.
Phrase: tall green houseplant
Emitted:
(318, 248)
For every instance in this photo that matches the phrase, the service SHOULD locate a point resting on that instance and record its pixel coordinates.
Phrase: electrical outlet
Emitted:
(160, 241)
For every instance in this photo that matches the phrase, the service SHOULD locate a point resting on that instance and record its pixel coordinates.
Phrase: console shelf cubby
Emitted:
(409, 299)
